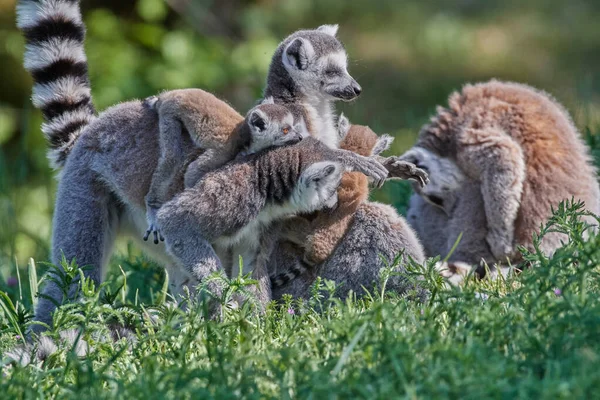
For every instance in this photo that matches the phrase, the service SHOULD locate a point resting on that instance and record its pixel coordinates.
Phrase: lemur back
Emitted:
(523, 153)
(199, 132)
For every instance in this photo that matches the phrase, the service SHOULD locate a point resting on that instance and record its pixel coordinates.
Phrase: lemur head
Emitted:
(272, 125)
(312, 64)
(445, 177)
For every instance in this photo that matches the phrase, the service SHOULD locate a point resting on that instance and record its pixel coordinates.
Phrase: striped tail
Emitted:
(55, 57)
(286, 277)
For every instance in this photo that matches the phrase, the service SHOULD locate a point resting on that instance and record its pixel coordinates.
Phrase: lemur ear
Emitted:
(268, 100)
(329, 29)
(383, 143)
(343, 126)
(298, 54)
(258, 120)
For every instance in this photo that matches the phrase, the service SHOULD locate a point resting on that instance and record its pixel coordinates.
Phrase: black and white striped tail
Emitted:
(55, 57)
(285, 277)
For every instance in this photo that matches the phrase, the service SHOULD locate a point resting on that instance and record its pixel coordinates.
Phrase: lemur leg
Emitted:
(85, 223)
(205, 162)
(501, 166)
(175, 141)
(197, 259)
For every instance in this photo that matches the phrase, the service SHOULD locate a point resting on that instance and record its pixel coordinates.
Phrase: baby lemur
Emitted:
(319, 234)
(500, 157)
(194, 140)
(234, 204)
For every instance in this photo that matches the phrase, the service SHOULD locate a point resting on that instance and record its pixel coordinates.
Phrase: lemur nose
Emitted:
(356, 87)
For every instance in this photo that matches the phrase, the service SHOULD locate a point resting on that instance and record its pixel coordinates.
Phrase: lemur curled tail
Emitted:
(55, 57)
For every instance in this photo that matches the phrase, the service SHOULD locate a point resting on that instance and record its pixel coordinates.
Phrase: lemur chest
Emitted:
(322, 126)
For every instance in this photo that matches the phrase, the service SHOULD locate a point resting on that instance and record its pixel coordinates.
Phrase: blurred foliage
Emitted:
(407, 55)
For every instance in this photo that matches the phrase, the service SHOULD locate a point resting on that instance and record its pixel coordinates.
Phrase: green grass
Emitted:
(530, 336)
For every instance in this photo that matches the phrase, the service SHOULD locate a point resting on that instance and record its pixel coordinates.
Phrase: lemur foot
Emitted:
(153, 226)
(406, 170)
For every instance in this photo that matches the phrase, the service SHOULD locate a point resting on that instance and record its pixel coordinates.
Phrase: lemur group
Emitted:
(286, 187)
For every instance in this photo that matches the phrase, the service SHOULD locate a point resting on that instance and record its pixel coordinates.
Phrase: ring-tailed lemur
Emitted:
(188, 131)
(319, 236)
(231, 206)
(308, 72)
(496, 172)
(107, 165)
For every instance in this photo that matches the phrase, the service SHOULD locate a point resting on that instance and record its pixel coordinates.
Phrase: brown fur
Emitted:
(328, 228)
(523, 149)
(190, 120)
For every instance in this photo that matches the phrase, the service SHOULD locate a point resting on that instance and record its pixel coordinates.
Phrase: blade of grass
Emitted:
(33, 281)
(348, 350)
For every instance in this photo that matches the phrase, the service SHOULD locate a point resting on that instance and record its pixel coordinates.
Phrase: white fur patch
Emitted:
(43, 54)
(329, 29)
(320, 113)
(68, 89)
(339, 59)
(343, 126)
(30, 13)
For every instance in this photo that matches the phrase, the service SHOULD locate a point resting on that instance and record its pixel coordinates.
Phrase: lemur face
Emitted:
(445, 177)
(317, 62)
(273, 125)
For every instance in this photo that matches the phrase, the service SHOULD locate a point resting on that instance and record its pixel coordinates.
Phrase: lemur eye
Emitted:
(285, 130)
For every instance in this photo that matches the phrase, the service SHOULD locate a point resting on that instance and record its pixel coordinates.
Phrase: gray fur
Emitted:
(188, 132)
(108, 171)
(308, 73)
(235, 204)
(376, 231)
(495, 173)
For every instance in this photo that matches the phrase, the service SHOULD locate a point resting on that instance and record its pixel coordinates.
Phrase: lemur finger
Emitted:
(147, 235)
(155, 237)
(162, 238)
(372, 168)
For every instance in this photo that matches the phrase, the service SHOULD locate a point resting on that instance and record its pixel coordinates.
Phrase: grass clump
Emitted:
(529, 336)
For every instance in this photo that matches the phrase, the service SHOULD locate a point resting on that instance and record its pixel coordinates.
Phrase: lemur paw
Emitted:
(372, 168)
(406, 170)
(153, 226)
(500, 246)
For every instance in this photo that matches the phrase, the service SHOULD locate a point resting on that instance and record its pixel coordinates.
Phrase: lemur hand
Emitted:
(153, 225)
(371, 167)
(405, 170)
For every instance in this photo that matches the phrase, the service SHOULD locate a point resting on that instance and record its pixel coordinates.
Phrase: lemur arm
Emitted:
(500, 165)
(369, 166)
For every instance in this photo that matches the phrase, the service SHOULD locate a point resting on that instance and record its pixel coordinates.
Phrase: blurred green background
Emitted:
(407, 55)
